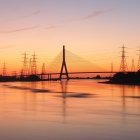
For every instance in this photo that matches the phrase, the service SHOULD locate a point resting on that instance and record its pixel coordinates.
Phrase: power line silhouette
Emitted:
(4, 69)
(123, 65)
(25, 64)
(34, 64)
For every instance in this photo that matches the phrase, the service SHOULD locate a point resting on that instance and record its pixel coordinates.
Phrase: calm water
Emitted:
(74, 110)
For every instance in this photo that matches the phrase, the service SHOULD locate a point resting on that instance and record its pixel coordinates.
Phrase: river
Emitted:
(73, 110)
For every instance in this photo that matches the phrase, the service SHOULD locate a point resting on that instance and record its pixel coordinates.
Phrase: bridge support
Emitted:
(64, 67)
(49, 77)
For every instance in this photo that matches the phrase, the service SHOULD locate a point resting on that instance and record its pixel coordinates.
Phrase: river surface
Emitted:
(74, 110)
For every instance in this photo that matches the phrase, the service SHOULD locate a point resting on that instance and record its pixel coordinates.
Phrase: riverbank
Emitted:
(129, 78)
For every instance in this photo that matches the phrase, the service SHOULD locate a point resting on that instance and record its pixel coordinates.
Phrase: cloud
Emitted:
(6, 47)
(19, 29)
(51, 27)
(26, 16)
(96, 14)
(90, 16)
(30, 15)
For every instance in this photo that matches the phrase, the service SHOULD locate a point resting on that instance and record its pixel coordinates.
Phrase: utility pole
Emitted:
(123, 65)
(64, 66)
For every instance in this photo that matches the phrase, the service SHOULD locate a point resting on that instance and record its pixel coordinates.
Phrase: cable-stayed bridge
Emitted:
(59, 69)
(64, 72)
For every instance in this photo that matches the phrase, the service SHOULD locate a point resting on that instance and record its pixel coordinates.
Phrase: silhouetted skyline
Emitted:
(92, 29)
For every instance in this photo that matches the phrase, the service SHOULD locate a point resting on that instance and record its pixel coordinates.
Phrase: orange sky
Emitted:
(91, 29)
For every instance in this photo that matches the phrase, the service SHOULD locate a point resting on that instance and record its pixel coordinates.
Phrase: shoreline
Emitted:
(119, 83)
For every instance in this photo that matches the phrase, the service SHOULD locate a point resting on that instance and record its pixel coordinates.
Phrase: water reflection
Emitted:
(64, 85)
(97, 110)
(123, 96)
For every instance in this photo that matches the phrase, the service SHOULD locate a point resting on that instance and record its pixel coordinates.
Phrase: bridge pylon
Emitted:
(64, 66)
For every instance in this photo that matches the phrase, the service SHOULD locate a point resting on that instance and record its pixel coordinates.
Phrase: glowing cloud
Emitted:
(51, 27)
(19, 30)
(6, 47)
(30, 15)
(96, 14)
(25, 16)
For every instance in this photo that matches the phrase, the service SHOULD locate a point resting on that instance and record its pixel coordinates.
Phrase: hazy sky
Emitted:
(92, 29)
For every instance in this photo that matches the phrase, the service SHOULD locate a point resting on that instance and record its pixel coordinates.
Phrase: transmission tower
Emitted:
(33, 64)
(133, 66)
(43, 69)
(64, 66)
(4, 69)
(138, 66)
(25, 64)
(112, 69)
(30, 67)
(123, 65)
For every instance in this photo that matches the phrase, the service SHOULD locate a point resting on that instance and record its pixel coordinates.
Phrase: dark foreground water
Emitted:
(74, 110)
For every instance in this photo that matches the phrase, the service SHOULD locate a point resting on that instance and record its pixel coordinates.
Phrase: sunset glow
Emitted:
(69, 69)
(92, 29)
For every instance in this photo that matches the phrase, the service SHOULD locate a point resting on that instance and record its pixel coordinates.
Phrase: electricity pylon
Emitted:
(123, 65)
(133, 66)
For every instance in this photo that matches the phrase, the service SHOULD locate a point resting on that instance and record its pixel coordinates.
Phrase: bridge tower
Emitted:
(64, 66)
